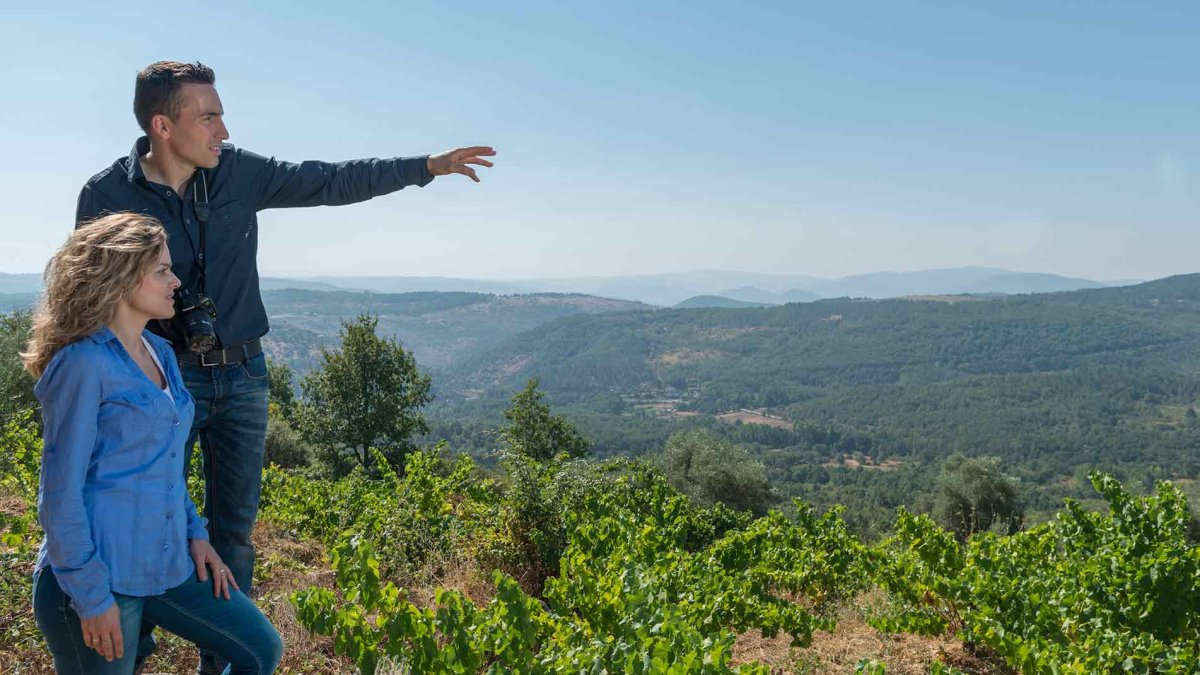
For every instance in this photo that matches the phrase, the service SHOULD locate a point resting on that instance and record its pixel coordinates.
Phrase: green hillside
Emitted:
(776, 356)
(440, 328)
(878, 392)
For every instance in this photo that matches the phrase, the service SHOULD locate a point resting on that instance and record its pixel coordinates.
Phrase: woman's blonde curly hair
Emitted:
(102, 263)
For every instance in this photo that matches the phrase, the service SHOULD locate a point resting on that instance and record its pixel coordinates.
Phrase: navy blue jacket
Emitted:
(241, 185)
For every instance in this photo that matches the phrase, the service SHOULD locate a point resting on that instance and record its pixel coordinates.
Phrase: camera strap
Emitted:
(201, 226)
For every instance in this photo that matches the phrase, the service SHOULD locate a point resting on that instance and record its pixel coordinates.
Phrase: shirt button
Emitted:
(169, 193)
(171, 486)
(172, 454)
(166, 547)
(168, 516)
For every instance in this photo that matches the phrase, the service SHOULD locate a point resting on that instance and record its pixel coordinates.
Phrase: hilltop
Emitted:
(1050, 383)
(439, 328)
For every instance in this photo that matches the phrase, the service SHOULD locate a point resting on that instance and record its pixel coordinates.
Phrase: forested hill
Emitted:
(778, 355)
(1053, 383)
(439, 328)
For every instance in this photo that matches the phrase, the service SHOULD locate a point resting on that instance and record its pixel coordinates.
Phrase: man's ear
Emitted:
(160, 126)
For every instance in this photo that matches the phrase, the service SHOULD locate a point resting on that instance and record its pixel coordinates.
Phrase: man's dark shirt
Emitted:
(241, 185)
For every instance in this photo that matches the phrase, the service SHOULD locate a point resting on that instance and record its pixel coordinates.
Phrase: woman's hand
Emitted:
(103, 633)
(204, 556)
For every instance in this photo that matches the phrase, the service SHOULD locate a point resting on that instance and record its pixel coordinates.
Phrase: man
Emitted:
(207, 194)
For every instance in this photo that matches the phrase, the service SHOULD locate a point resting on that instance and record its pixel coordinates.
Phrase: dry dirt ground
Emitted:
(286, 565)
(853, 641)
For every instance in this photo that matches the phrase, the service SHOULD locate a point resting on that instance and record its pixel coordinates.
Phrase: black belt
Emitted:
(222, 357)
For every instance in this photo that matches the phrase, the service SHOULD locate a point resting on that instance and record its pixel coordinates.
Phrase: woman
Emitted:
(122, 536)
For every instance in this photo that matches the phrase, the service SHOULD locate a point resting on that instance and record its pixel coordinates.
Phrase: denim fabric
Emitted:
(112, 502)
(234, 628)
(242, 184)
(231, 424)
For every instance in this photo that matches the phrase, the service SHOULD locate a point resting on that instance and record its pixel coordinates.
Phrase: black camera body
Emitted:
(198, 313)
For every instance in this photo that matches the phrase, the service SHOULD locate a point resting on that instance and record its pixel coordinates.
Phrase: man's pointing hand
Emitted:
(457, 160)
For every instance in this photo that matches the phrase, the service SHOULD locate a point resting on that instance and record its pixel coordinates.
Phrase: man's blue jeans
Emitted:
(234, 628)
(231, 424)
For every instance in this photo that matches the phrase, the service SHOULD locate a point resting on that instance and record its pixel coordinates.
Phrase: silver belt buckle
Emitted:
(204, 363)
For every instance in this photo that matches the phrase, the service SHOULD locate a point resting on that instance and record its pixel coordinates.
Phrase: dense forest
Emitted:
(877, 393)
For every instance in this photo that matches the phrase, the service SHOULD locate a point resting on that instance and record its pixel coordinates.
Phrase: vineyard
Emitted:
(603, 567)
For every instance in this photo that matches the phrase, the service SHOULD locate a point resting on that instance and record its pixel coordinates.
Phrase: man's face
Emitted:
(196, 135)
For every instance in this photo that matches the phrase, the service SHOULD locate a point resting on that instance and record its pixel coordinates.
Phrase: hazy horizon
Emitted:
(636, 139)
(649, 274)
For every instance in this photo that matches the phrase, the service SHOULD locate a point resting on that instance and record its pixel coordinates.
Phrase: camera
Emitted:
(198, 313)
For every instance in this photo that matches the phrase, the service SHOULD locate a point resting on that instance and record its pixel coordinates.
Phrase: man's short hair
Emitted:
(158, 85)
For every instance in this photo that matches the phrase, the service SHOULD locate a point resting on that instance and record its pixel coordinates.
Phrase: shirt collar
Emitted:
(134, 166)
(103, 335)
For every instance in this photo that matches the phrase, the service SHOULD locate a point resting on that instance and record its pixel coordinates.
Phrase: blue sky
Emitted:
(641, 137)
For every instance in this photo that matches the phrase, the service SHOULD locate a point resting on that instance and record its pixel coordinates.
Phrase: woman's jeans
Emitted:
(231, 425)
(233, 628)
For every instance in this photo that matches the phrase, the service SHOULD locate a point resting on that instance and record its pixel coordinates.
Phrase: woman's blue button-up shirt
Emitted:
(113, 502)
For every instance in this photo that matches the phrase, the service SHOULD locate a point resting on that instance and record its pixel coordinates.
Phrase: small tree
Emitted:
(711, 470)
(284, 446)
(975, 494)
(367, 394)
(16, 385)
(534, 432)
(281, 388)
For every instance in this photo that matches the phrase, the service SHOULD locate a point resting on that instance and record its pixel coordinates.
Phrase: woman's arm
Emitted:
(70, 393)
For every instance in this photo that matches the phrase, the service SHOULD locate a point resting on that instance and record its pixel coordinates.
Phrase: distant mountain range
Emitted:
(20, 283)
(671, 289)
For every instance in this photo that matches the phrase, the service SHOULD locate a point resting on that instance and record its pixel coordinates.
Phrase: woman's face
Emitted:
(155, 295)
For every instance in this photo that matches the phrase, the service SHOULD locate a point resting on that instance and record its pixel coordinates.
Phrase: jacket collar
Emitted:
(133, 167)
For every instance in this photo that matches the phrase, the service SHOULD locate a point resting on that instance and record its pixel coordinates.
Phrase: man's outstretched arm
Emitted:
(285, 184)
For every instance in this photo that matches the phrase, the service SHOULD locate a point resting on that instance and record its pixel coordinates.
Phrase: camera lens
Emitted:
(201, 334)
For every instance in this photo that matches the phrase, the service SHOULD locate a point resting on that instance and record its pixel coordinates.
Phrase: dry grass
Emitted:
(12, 506)
(460, 574)
(854, 640)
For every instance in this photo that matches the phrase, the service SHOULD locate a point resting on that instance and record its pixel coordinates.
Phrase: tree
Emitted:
(975, 494)
(367, 394)
(16, 385)
(284, 447)
(534, 432)
(281, 387)
(711, 470)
